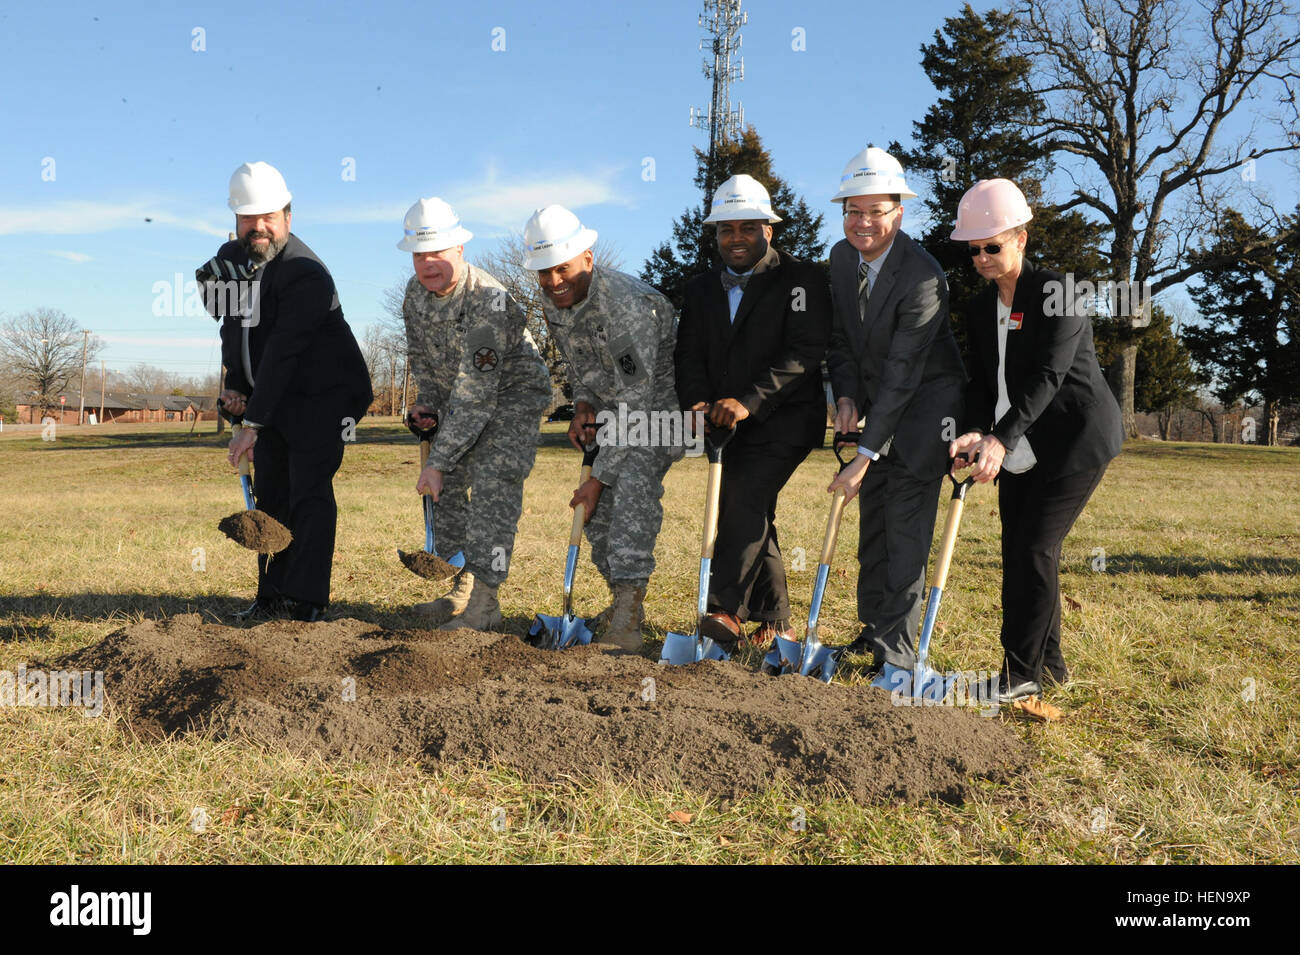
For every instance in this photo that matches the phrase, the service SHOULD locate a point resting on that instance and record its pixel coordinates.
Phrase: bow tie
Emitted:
(730, 281)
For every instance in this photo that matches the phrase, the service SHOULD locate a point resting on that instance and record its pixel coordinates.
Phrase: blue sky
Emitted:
(111, 117)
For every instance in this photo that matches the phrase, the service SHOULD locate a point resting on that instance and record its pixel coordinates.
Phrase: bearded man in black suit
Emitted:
(296, 376)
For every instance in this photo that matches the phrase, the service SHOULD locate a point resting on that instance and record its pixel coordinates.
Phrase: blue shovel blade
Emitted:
(558, 633)
(785, 657)
(680, 649)
(926, 685)
(457, 560)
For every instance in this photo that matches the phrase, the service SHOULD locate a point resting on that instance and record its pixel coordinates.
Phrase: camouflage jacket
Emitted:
(618, 343)
(473, 359)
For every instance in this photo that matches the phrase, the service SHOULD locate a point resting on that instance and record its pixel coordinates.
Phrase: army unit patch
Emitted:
(627, 360)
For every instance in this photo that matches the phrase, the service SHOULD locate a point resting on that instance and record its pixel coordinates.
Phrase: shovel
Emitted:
(811, 657)
(559, 633)
(921, 682)
(679, 648)
(427, 563)
(250, 527)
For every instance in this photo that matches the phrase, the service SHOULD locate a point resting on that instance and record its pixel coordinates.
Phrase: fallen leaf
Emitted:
(678, 816)
(723, 841)
(1072, 603)
(233, 814)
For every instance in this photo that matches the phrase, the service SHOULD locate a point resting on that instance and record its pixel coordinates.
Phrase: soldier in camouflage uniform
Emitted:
(480, 374)
(617, 335)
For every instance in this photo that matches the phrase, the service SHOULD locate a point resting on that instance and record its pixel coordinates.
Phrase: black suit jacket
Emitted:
(1059, 398)
(769, 358)
(308, 371)
(900, 365)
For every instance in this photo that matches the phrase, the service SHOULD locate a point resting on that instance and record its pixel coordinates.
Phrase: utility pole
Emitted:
(81, 411)
(722, 20)
(392, 382)
(406, 379)
(102, 379)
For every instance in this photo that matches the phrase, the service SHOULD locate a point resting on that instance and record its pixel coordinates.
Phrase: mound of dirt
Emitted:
(426, 565)
(348, 688)
(257, 531)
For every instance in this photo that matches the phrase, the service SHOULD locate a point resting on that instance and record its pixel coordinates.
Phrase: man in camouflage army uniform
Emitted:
(617, 335)
(481, 375)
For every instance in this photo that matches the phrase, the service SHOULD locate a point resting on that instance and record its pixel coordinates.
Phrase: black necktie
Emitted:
(864, 289)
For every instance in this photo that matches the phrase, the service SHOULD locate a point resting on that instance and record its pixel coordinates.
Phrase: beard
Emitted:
(262, 256)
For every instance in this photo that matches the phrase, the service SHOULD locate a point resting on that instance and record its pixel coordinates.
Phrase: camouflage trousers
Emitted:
(478, 510)
(626, 524)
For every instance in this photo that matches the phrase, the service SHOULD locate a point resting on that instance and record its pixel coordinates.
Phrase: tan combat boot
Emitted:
(452, 602)
(625, 617)
(482, 612)
(601, 620)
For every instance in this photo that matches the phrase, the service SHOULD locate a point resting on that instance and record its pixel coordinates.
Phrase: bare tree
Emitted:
(43, 350)
(146, 379)
(1139, 94)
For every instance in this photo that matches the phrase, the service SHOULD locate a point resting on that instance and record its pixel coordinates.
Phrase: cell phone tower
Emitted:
(722, 20)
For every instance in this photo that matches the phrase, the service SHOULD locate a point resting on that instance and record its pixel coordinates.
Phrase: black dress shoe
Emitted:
(307, 613)
(1003, 689)
(261, 609)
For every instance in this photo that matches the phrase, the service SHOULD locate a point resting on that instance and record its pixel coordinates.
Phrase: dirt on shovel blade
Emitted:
(467, 697)
(257, 531)
(426, 565)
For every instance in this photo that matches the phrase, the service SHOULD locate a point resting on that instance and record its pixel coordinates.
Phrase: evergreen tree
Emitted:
(979, 129)
(692, 249)
(1249, 336)
(1165, 379)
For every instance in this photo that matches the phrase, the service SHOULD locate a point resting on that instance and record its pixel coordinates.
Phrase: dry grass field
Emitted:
(1182, 590)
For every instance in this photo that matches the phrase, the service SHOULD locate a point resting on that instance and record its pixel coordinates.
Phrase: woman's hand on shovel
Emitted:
(430, 483)
(241, 445)
(588, 495)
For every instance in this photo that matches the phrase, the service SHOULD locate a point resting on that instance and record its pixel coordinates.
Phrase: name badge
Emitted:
(1015, 321)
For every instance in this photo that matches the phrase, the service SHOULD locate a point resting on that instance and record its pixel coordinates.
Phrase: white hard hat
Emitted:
(432, 226)
(257, 187)
(553, 236)
(872, 172)
(741, 197)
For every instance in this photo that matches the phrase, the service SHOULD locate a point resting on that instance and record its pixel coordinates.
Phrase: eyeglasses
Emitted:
(993, 249)
(868, 215)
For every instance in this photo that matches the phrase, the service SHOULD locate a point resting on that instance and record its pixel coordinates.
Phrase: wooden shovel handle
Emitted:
(711, 510)
(425, 445)
(579, 512)
(244, 469)
(950, 526)
(833, 526)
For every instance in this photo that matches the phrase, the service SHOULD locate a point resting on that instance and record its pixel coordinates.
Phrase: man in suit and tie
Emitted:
(895, 368)
(750, 342)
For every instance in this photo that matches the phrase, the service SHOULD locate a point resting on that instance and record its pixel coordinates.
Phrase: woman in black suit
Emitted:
(1040, 418)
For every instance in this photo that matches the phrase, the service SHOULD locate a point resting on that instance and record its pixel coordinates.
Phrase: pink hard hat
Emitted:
(989, 208)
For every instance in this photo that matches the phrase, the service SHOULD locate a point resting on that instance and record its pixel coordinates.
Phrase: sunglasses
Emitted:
(987, 250)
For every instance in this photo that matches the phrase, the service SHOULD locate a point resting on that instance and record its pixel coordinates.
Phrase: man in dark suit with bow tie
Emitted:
(750, 342)
(895, 367)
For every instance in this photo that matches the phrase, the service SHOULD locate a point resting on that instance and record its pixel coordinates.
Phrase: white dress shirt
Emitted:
(1022, 458)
